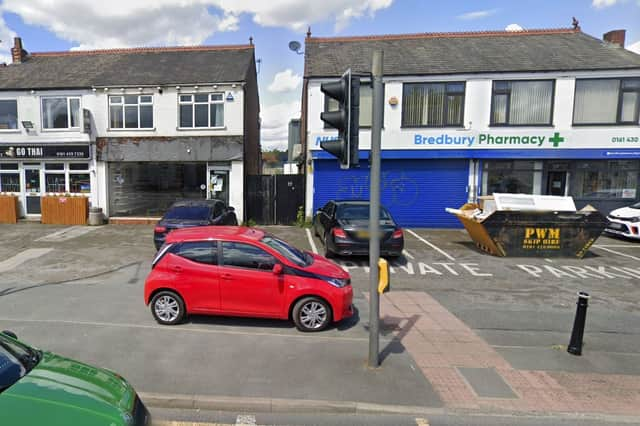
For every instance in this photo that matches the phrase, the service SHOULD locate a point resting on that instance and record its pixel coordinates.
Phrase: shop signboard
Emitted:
(44, 152)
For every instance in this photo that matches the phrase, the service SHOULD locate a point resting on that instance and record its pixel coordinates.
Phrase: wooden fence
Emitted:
(8, 209)
(58, 210)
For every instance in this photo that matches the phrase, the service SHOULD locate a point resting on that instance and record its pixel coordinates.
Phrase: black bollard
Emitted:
(575, 345)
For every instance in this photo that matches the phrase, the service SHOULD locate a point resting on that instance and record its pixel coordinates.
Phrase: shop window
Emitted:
(8, 166)
(79, 183)
(54, 166)
(9, 182)
(606, 179)
(201, 110)
(8, 114)
(55, 182)
(61, 113)
(433, 104)
(78, 166)
(366, 105)
(522, 103)
(607, 101)
(131, 112)
(513, 177)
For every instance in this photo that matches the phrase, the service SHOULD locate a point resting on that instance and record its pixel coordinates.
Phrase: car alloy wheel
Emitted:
(167, 308)
(311, 314)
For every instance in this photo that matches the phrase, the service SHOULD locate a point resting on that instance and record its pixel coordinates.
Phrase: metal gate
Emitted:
(274, 199)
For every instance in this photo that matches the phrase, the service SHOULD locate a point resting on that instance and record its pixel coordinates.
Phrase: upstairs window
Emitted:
(131, 112)
(201, 110)
(433, 104)
(8, 114)
(607, 101)
(522, 103)
(61, 113)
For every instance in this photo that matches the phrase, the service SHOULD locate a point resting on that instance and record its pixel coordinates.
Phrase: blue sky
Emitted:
(47, 25)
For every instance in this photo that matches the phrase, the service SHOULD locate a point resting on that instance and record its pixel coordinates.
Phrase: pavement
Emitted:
(463, 333)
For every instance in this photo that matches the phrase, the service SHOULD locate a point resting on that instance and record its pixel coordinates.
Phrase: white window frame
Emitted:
(67, 172)
(58, 129)
(193, 103)
(17, 129)
(17, 171)
(123, 105)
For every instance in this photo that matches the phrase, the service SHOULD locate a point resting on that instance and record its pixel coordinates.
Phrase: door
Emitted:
(219, 185)
(556, 183)
(288, 198)
(33, 188)
(247, 282)
(196, 275)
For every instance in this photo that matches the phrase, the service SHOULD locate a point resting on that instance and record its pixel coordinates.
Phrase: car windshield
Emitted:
(16, 360)
(358, 212)
(188, 213)
(635, 206)
(296, 256)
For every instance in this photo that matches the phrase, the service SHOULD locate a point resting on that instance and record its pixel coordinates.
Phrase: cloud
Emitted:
(601, 4)
(275, 122)
(634, 47)
(514, 27)
(285, 81)
(6, 35)
(478, 14)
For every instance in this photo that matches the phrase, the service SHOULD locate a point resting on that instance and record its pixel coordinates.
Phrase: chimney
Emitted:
(18, 54)
(615, 37)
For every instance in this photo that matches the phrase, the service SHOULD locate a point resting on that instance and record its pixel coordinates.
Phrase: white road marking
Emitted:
(442, 252)
(311, 242)
(22, 257)
(422, 421)
(245, 420)
(67, 233)
(407, 254)
(616, 252)
(619, 245)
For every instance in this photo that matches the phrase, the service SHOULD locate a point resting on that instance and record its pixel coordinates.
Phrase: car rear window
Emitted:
(198, 251)
(189, 213)
(358, 212)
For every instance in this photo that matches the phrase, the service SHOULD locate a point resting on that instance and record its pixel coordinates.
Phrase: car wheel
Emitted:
(167, 308)
(315, 229)
(311, 314)
(327, 252)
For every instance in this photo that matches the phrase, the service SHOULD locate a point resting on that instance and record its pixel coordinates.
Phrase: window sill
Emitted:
(6, 131)
(454, 127)
(550, 125)
(67, 129)
(606, 124)
(133, 129)
(188, 129)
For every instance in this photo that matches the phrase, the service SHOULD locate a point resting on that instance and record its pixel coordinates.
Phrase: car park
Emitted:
(240, 271)
(343, 227)
(625, 222)
(41, 388)
(190, 213)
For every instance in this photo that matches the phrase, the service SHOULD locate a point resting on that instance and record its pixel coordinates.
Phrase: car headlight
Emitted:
(337, 282)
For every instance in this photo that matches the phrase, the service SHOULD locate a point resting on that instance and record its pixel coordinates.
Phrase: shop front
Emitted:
(31, 171)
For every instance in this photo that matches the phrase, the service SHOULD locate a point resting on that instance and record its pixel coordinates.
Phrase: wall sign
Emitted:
(44, 151)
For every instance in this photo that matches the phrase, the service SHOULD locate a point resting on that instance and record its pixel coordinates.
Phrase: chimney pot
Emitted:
(18, 54)
(615, 37)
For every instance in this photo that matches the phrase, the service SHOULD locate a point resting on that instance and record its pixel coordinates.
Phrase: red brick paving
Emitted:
(440, 343)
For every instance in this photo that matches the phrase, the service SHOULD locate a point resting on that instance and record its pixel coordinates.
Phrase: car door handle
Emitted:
(226, 276)
(177, 268)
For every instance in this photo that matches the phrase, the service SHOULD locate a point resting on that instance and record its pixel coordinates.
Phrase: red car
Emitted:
(240, 271)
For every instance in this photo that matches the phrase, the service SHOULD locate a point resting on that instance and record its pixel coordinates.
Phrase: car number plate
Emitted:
(362, 234)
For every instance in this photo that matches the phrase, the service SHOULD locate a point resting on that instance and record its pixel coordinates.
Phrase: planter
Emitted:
(8, 209)
(63, 210)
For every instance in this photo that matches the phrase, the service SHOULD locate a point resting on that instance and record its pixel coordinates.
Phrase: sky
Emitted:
(57, 25)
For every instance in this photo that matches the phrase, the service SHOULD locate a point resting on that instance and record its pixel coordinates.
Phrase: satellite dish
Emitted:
(294, 46)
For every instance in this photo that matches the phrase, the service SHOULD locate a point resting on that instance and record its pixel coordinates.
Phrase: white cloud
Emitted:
(6, 35)
(275, 123)
(601, 4)
(514, 27)
(285, 81)
(478, 14)
(634, 47)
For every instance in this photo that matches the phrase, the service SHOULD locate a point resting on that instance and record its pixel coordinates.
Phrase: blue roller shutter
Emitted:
(416, 192)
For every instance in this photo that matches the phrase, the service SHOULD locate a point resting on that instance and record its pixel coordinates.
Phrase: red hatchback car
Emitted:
(239, 271)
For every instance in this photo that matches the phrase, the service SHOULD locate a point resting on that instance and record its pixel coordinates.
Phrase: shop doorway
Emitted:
(557, 183)
(33, 189)
(219, 185)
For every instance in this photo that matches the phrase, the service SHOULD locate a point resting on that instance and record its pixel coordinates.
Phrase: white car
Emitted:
(625, 222)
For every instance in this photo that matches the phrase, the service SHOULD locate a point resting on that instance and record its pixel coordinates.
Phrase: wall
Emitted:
(236, 185)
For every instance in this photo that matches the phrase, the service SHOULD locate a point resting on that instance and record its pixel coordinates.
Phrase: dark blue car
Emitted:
(190, 213)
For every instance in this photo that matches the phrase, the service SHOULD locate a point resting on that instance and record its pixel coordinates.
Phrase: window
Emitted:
(513, 177)
(607, 101)
(9, 177)
(131, 112)
(433, 104)
(522, 103)
(246, 256)
(606, 179)
(54, 177)
(8, 114)
(198, 251)
(366, 105)
(201, 110)
(61, 113)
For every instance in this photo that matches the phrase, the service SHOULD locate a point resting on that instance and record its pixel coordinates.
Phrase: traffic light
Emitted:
(346, 119)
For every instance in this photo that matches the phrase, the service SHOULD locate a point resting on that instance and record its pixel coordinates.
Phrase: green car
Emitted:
(40, 388)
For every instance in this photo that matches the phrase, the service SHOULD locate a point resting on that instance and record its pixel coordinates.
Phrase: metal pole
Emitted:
(374, 209)
(575, 344)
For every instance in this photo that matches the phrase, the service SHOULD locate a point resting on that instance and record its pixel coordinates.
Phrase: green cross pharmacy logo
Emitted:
(556, 140)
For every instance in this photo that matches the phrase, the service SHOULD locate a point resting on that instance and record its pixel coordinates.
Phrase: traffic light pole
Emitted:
(374, 209)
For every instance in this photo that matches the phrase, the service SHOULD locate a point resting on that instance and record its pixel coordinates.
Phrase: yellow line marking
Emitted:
(422, 422)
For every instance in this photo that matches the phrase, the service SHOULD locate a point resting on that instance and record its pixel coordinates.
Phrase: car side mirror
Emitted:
(231, 209)
(10, 334)
(277, 269)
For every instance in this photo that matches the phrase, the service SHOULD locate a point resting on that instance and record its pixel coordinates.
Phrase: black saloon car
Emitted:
(343, 226)
(190, 213)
